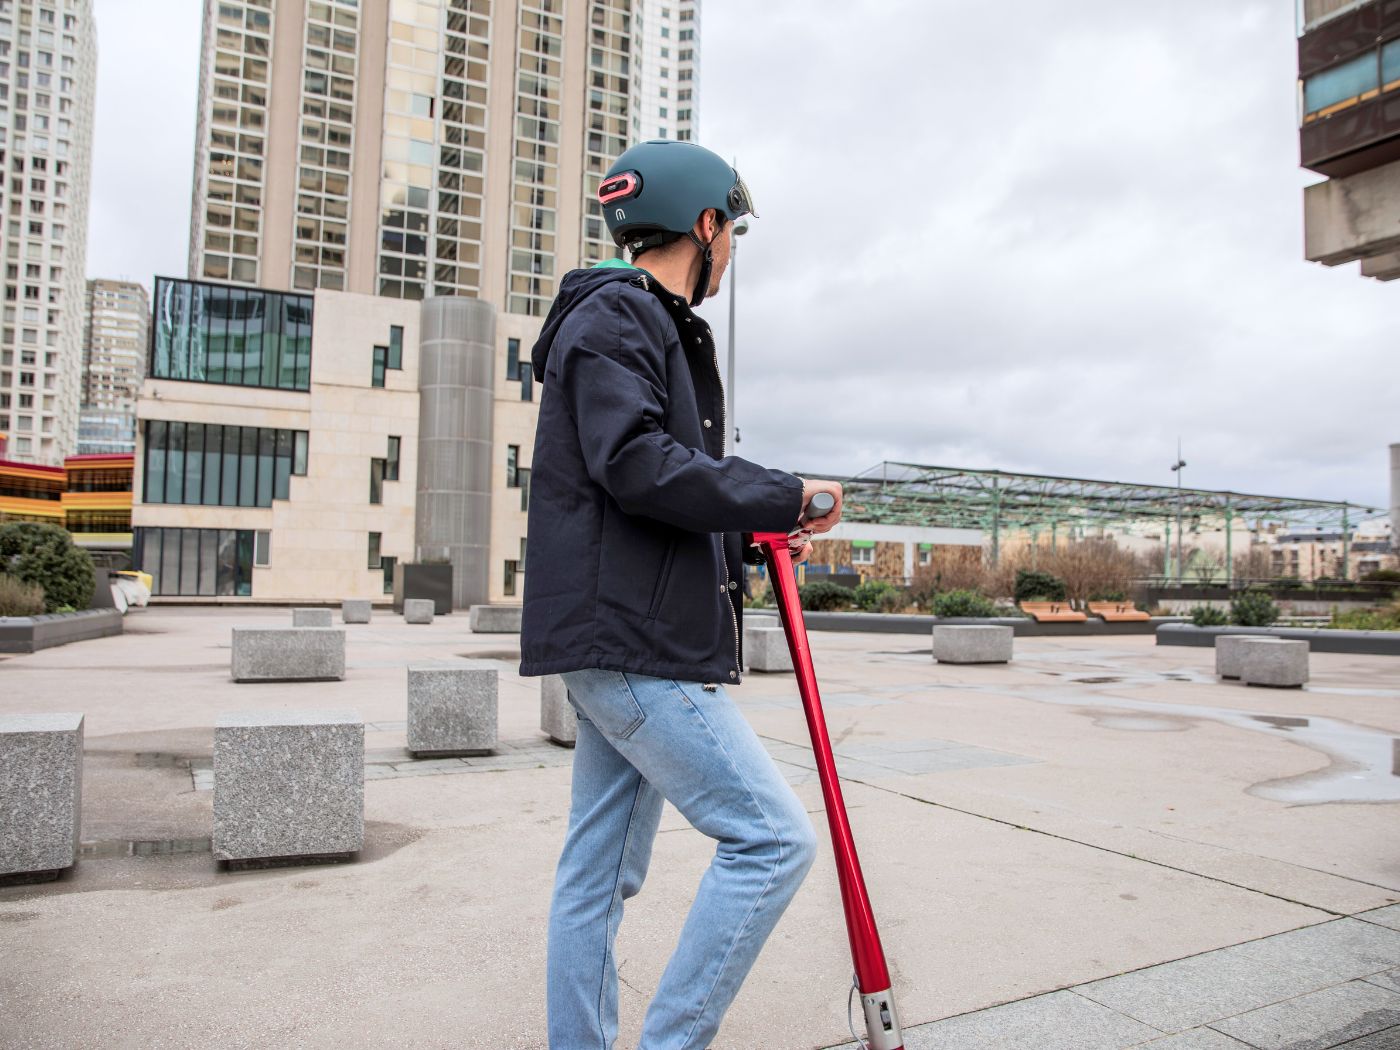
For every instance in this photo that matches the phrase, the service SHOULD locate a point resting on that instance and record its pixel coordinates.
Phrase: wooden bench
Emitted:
(1052, 612)
(1117, 612)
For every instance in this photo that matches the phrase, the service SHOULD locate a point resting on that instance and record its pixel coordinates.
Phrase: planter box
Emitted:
(424, 581)
(29, 634)
(1378, 643)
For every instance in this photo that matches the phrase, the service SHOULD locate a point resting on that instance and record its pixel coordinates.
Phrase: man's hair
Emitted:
(663, 240)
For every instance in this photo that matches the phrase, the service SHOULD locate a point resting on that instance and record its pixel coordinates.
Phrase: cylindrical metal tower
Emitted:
(455, 391)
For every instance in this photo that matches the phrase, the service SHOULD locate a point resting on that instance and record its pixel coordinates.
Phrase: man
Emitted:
(636, 551)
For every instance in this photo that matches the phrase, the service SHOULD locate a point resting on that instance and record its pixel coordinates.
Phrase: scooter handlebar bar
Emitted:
(819, 506)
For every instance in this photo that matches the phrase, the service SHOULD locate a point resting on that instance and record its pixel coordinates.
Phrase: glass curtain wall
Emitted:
(207, 562)
(206, 333)
(222, 466)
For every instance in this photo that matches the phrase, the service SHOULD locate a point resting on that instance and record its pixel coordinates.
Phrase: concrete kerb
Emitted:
(288, 654)
(1373, 643)
(972, 644)
(452, 711)
(41, 791)
(288, 785)
(418, 610)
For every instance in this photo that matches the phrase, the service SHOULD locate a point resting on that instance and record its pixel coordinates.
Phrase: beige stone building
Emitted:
(419, 150)
(114, 361)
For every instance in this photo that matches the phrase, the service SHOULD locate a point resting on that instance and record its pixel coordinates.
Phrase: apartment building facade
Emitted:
(114, 362)
(48, 66)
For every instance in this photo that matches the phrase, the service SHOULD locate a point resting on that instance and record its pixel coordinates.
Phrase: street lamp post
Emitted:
(1176, 469)
(741, 227)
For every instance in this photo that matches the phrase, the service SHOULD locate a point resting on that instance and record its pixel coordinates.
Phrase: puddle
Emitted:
(1364, 763)
(512, 655)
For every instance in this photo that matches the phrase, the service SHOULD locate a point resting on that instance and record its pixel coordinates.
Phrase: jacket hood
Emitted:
(576, 286)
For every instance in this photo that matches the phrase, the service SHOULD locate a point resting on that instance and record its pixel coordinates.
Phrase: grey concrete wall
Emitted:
(1351, 218)
(455, 385)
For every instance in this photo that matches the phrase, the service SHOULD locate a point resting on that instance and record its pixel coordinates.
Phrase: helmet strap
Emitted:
(707, 264)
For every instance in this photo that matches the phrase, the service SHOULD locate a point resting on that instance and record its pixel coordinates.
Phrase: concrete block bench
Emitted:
(557, 716)
(288, 654)
(452, 710)
(288, 785)
(1277, 662)
(1229, 651)
(495, 619)
(418, 610)
(765, 646)
(311, 618)
(41, 791)
(972, 644)
(355, 610)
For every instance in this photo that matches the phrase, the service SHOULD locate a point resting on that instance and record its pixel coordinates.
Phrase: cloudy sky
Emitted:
(1026, 236)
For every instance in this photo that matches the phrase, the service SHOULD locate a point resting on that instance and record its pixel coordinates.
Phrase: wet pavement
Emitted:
(1098, 845)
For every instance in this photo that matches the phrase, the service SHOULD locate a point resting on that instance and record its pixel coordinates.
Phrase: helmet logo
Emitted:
(619, 215)
(619, 187)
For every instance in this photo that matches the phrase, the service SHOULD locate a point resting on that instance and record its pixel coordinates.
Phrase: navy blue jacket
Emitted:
(635, 512)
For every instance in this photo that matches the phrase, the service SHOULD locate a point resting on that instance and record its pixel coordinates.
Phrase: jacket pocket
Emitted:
(663, 577)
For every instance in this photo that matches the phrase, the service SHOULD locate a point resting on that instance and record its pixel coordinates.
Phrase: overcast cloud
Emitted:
(1016, 235)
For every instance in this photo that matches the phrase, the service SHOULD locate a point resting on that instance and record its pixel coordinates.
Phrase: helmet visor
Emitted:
(740, 200)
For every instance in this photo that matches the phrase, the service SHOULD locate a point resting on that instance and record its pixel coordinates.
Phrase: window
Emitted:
(925, 554)
(527, 383)
(388, 564)
(216, 465)
(1340, 86)
(512, 465)
(197, 561)
(391, 463)
(375, 560)
(262, 548)
(512, 358)
(508, 583)
(381, 362)
(862, 552)
(395, 347)
(376, 481)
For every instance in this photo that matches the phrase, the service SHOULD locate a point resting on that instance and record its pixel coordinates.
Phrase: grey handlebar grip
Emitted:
(819, 506)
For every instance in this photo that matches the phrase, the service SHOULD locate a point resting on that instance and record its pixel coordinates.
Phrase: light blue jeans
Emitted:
(642, 740)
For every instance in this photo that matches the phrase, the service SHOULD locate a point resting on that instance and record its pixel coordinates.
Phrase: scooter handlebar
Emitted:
(819, 506)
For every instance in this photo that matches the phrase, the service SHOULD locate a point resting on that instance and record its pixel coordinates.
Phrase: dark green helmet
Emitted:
(660, 187)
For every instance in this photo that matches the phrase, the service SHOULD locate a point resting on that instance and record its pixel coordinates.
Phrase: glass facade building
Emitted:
(219, 466)
(208, 333)
(208, 562)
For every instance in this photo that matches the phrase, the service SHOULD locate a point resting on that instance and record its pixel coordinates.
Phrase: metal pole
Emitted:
(740, 228)
(1229, 544)
(1176, 469)
(1346, 542)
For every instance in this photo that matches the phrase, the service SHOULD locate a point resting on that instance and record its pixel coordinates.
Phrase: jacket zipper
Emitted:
(724, 560)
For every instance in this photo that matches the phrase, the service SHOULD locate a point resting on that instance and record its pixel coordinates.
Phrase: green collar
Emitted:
(615, 264)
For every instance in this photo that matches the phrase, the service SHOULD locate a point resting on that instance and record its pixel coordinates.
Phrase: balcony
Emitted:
(1349, 75)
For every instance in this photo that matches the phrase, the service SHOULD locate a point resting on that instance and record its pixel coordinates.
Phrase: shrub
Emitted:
(879, 596)
(45, 555)
(1253, 609)
(1382, 576)
(18, 598)
(963, 603)
(1286, 583)
(822, 596)
(1033, 585)
(1386, 618)
(1108, 596)
(1209, 616)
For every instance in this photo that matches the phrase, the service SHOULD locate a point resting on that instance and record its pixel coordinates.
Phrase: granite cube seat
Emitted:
(288, 654)
(311, 618)
(972, 643)
(452, 710)
(418, 610)
(356, 610)
(1278, 662)
(41, 791)
(495, 619)
(1229, 650)
(766, 647)
(557, 716)
(288, 785)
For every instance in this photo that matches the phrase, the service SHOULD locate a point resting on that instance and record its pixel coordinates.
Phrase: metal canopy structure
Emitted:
(997, 501)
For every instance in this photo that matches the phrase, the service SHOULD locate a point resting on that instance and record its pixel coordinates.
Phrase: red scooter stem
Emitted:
(867, 954)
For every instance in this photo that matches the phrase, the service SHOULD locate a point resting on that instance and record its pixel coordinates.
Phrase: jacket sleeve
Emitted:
(612, 374)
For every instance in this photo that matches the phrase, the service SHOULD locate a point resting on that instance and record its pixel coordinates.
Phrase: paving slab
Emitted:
(1384, 916)
(1330, 952)
(1058, 1021)
(1124, 838)
(1387, 1040)
(1389, 979)
(1196, 1039)
(1324, 1019)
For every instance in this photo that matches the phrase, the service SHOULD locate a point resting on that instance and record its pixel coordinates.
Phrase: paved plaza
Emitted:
(1095, 846)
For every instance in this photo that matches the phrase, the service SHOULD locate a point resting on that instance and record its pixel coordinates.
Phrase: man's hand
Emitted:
(827, 522)
(799, 552)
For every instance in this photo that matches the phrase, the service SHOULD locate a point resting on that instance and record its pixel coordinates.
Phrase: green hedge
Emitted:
(44, 555)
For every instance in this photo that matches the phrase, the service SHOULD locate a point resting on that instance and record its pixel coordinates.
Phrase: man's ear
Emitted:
(707, 225)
